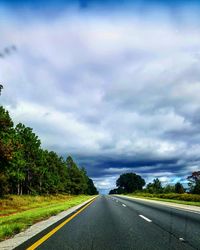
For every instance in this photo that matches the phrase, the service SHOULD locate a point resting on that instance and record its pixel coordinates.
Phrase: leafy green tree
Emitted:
(85, 180)
(118, 190)
(155, 187)
(6, 122)
(53, 175)
(64, 176)
(130, 182)
(197, 188)
(30, 150)
(4, 189)
(91, 190)
(77, 179)
(6, 137)
(169, 189)
(6, 148)
(194, 182)
(114, 191)
(16, 172)
(179, 189)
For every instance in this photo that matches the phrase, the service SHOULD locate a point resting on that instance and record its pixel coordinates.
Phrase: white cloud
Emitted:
(58, 128)
(125, 86)
(106, 182)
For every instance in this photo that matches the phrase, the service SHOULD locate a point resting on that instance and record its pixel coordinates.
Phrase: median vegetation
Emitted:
(186, 199)
(134, 185)
(19, 212)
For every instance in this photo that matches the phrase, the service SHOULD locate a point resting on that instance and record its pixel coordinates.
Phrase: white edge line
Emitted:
(145, 218)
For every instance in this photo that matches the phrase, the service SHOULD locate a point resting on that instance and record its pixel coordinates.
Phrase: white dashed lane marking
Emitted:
(145, 218)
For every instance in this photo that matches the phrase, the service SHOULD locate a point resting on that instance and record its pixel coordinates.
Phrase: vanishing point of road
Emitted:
(113, 222)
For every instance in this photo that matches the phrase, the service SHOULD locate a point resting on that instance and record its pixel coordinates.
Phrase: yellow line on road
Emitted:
(45, 237)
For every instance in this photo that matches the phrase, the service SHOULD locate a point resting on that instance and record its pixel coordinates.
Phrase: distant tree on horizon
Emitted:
(130, 182)
(169, 189)
(194, 182)
(179, 189)
(155, 187)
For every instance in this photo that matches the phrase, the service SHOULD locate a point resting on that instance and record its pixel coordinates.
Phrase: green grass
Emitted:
(34, 209)
(186, 199)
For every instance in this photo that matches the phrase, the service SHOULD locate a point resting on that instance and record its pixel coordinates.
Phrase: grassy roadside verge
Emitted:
(18, 213)
(178, 199)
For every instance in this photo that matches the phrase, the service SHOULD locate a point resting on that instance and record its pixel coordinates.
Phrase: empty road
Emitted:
(113, 223)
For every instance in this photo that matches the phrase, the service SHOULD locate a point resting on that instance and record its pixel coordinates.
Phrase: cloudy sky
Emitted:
(115, 84)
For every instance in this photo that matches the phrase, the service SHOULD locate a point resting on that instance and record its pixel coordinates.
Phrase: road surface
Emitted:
(113, 223)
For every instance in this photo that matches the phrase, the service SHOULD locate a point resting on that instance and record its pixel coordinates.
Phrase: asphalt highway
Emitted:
(112, 223)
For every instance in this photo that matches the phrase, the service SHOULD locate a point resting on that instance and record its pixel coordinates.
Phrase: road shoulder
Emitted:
(35, 229)
(188, 208)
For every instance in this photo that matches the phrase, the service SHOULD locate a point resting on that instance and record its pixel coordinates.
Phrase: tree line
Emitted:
(131, 182)
(26, 168)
